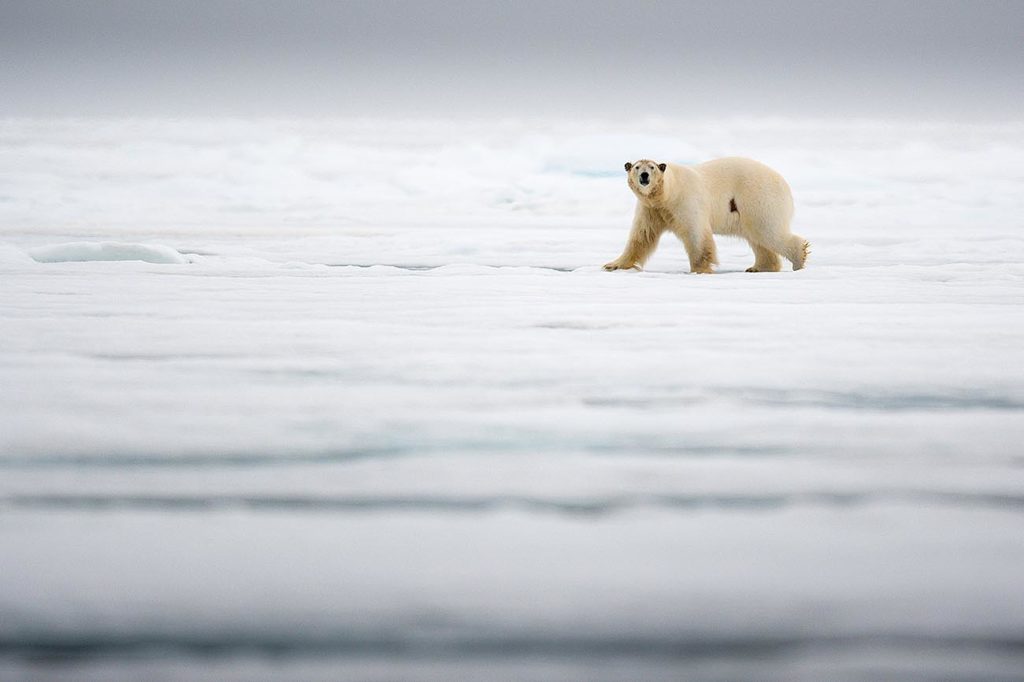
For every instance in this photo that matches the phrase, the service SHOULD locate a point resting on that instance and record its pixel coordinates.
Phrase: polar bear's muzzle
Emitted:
(645, 178)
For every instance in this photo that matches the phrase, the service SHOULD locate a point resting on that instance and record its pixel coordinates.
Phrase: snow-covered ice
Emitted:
(329, 399)
(85, 251)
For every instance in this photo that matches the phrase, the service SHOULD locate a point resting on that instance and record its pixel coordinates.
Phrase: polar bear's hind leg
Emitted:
(796, 250)
(765, 260)
(770, 235)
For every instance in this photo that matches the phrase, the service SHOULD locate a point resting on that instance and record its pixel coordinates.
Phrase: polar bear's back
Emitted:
(735, 173)
(753, 189)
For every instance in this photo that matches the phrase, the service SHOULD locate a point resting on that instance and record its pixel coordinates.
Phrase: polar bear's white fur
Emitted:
(733, 196)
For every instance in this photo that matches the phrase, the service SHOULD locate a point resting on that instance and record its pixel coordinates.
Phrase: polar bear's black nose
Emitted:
(645, 177)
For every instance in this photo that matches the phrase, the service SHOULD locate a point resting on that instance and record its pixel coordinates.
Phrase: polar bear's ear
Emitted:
(628, 166)
(662, 167)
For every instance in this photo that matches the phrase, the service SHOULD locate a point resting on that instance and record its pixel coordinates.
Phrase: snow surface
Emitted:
(362, 404)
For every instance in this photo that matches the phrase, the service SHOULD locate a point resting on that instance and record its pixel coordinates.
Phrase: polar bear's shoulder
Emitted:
(731, 163)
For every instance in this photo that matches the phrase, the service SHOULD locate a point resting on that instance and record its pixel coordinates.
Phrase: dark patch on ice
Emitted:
(831, 400)
(639, 448)
(411, 640)
(658, 401)
(414, 268)
(531, 444)
(593, 506)
(199, 460)
(888, 402)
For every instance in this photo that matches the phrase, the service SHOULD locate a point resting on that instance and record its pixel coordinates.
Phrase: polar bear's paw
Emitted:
(619, 265)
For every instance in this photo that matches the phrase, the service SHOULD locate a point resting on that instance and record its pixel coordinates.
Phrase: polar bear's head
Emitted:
(645, 177)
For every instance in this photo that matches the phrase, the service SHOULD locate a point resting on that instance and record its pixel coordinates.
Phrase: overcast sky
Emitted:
(385, 58)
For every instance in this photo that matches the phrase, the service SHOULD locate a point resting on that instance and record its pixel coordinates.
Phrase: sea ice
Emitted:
(395, 422)
(101, 251)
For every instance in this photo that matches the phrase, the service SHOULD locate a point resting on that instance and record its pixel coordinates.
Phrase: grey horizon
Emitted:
(395, 58)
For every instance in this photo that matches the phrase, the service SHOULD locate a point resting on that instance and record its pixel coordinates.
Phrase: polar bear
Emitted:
(732, 196)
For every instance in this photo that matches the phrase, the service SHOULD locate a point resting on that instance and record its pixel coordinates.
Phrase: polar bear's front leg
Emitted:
(643, 237)
(700, 248)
